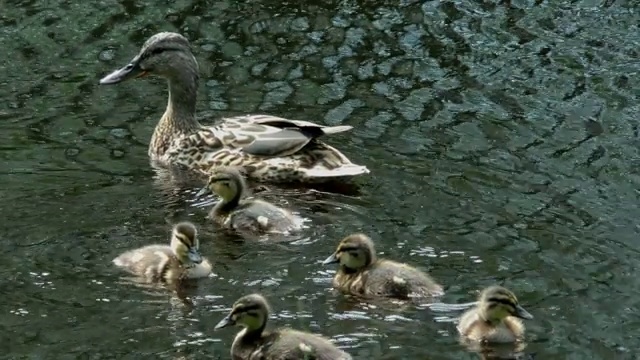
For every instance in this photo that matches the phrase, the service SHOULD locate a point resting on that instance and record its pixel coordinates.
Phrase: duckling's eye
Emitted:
(354, 254)
(253, 314)
(224, 183)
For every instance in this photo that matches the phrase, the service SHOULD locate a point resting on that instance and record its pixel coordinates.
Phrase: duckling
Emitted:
(247, 216)
(495, 319)
(180, 260)
(267, 148)
(253, 342)
(362, 273)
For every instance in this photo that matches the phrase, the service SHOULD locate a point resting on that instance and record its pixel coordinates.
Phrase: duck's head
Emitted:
(228, 183)
(496, 303)
(250, 311)
(165, 54)
(354, 252)
(185, 243)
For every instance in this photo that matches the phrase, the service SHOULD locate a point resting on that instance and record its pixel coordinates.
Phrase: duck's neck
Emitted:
(229, 203)
(370, 262)
(249, 334)
(179, 117)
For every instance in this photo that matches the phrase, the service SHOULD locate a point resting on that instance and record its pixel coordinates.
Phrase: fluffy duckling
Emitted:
(495, 319)
(250, 216)
(362, 273)
(180, 260)
(253, 342)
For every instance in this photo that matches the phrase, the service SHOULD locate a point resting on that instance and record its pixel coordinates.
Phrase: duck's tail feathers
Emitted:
(336, 129)
(342, 171)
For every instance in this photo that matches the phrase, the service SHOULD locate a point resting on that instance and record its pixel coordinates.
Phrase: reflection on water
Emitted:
(500, 135)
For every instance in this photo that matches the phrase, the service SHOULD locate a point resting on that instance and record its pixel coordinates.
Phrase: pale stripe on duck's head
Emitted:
(498, 302)
(251, 302)
(354, 252)
(225, 173)
(187, 233)
(250, 311)
(166, 54)
(165, 40)
(227, 182)
(185, 243)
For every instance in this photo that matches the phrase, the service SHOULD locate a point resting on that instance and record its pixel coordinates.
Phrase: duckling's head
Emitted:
(227, 182)
(250, 311)
(497, 303)
(354, 252)
(166, 54)
(185, 244)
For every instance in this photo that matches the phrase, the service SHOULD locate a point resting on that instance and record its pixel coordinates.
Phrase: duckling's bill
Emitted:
(227, 321)
(194, 256)
(522, 313)
(333, 259)
(204, 191)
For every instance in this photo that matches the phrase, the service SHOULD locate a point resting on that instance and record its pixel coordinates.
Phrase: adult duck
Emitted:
(266, 148)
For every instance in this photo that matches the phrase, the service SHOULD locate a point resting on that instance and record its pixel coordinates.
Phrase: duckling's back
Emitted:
(259, 216)
(390, 278)
(288, 344)
(152, 261)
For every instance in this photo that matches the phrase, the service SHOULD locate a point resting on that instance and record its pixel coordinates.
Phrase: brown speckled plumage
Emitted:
(362, 273)
(253, 342)
(266, 148)
(495, 319)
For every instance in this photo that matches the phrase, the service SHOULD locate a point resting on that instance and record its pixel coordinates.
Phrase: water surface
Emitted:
(502, 137)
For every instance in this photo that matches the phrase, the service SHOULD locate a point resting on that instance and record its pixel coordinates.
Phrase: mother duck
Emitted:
(266, 148)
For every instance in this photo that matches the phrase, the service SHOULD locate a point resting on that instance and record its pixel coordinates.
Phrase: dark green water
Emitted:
(502, 137)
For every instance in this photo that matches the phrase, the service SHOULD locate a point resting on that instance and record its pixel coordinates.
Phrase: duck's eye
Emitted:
(355, 254)
(220, 183)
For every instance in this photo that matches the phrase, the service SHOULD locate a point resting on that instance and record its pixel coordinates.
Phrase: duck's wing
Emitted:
(279, 143)
(309, 128)
(259, 140)
(272, 136)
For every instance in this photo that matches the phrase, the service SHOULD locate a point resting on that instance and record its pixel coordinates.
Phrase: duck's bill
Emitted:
(194, 256)
(202, 192)
(224, 323)
(522, 313)
(333, 259)
(132, 70)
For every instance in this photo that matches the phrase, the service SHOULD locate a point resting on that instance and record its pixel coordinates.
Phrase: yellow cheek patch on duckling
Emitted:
(498, 312)
(251, 320)
(351, 261)
(181, 252)
(223, 190)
